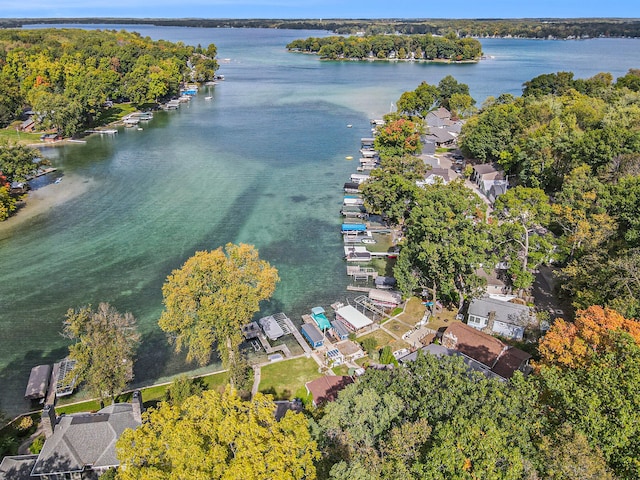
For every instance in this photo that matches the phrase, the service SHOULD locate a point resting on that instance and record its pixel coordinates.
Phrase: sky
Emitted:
(316, 9)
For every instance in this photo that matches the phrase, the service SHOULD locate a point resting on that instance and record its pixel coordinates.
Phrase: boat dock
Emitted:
(353, 288)
(269, 349)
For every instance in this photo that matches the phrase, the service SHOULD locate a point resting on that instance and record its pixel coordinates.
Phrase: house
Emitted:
(496, 287)
(435, 175)
(441, 351)
(312, 334)
(498, 357)
(28, 125)
(334, 358)
(438, 118)
(17, 467)
(506, 319)
(50, 137)
(326, 388)
(352, 318)
(440, 137)
(78, 446)
(489, 180)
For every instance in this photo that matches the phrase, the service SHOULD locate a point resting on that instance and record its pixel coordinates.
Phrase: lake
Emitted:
(262, 162)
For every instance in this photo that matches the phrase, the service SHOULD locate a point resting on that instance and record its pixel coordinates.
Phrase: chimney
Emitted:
(136, 402)
(48, 420)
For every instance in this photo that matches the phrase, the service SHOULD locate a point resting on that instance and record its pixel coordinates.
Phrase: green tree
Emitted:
(218, 436)
(462, 104)
(211, 296)
(420, 101)
(521, 212)
(448, 87)
(390, 195)
(182, 388)
(7, 203)
(17, 162)
(106, 341)
(433, 418)
(446, 242)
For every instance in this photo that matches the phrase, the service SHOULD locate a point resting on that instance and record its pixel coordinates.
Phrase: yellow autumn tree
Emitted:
(571, 345)
(211, 296)
(218, 436)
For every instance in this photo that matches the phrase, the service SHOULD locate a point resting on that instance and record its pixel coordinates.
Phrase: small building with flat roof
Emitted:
(352, 318)
(271, 328)
(312, 334)
(38, 383)
(340, 330)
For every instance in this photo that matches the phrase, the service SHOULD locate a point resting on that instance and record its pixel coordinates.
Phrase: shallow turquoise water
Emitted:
(262, 163)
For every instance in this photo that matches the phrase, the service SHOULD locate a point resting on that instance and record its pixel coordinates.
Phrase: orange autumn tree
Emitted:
(571, 345)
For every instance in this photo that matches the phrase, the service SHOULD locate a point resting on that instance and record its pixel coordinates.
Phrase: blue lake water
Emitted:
(263, 162)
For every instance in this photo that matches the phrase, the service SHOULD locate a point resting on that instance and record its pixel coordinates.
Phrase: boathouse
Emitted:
(312, 334)
(38, 382)
(317, 313)
(354, 227)
(339, 330)
(271, 328)
(352, 318)
(384, 298)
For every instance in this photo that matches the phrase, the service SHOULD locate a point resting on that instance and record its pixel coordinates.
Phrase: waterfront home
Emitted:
(78, 446)
(339, 330)
(271, 328)
(504, 318)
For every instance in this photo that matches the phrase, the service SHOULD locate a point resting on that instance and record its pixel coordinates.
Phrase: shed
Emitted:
(352, 318)
(340, 330)
(38, 382)
(312, 334)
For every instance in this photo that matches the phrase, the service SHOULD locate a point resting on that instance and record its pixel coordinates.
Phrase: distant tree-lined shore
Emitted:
(523, 28)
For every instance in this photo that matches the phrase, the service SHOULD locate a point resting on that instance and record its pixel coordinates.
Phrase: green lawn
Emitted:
(383, 339)
(397, 327)
(413, 311)
(285, 378)
(10, 134)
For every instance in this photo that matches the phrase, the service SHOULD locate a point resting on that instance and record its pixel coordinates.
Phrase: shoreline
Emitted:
(43, 199)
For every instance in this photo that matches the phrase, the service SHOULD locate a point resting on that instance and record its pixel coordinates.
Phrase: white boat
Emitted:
(208, 98)
(349, 126)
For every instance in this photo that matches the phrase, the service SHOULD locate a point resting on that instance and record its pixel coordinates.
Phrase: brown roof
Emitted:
(473, 343)
(510, 361)
(499, 357)
(326, 388)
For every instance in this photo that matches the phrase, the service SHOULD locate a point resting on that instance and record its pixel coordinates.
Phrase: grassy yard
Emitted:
(286, 378)
(10, 134)
(413, 312)
(397, 327)
(383, 339)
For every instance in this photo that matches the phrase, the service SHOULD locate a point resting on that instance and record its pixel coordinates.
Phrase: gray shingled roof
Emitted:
(86, 439)
(17, 468)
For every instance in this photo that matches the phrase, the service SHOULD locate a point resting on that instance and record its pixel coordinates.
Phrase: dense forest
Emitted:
(67, 76)
(523, 28)
(415, 47)
(576, 143)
